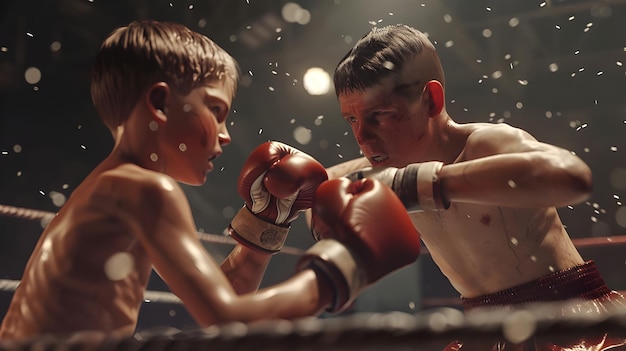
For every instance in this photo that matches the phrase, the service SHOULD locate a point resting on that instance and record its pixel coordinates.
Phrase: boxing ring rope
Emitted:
(149, 295)
(46, 216)
(430, 329)
(10, 285)
(168, 297)
(529, 325)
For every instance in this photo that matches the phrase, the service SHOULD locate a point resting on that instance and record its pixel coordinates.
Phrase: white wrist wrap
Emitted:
(429, 187)
(254, 232)
(335, 260)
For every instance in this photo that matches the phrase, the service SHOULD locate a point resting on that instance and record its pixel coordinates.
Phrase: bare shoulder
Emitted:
(496, 132)
(341, 169)
(487, 139)
(135, 191)
(128, 180)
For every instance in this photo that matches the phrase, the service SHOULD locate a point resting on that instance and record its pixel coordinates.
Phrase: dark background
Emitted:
(51, 137)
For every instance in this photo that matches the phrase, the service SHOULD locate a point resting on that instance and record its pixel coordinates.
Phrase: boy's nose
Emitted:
(224, 138)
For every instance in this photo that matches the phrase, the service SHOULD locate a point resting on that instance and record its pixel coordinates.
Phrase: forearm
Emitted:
(245, 268)
(531, 179)
(304, 294)
(341, 169)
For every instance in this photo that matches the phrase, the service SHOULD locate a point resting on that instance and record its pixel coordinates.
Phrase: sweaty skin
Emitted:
(483, 248)
(89, 270)
(502, 228)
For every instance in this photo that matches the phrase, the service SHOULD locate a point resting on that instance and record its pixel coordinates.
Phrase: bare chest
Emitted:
(484, 249)
(94, 268)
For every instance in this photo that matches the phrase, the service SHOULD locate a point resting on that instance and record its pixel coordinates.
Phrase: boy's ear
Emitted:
(435, 94)
(157, 95)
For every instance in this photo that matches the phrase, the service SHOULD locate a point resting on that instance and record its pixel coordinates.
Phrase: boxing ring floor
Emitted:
(434, 326)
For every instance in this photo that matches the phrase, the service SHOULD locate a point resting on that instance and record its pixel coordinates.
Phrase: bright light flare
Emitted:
(316, 81)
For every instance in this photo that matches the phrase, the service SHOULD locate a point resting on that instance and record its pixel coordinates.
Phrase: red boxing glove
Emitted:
(277, 182)
(365, 233)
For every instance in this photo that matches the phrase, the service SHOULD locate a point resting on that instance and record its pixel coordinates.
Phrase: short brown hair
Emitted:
(142, 53)
(369, 61)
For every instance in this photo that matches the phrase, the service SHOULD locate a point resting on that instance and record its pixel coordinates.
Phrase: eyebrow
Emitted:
(211, 98)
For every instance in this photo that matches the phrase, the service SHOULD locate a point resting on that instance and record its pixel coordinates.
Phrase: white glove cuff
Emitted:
(333, 259)
(429, 187)
(256, 233)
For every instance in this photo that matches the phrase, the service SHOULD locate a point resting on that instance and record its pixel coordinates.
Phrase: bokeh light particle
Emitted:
(32, 75)
(302, 135)
(316, 81)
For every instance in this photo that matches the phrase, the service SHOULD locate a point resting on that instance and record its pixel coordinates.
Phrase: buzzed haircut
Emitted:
(376, 55)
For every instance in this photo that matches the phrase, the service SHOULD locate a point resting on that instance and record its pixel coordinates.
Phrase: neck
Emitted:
(137, 146)
(444, 145)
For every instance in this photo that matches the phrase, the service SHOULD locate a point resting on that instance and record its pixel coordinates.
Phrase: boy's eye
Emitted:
(216, 110)
(351, 119)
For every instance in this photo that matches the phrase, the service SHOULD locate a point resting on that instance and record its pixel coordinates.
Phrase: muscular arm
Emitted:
(245, 268)
(341, 169)
(166, 230)
(505, 166)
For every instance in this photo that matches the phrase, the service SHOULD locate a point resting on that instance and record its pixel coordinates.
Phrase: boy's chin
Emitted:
(198, 180)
